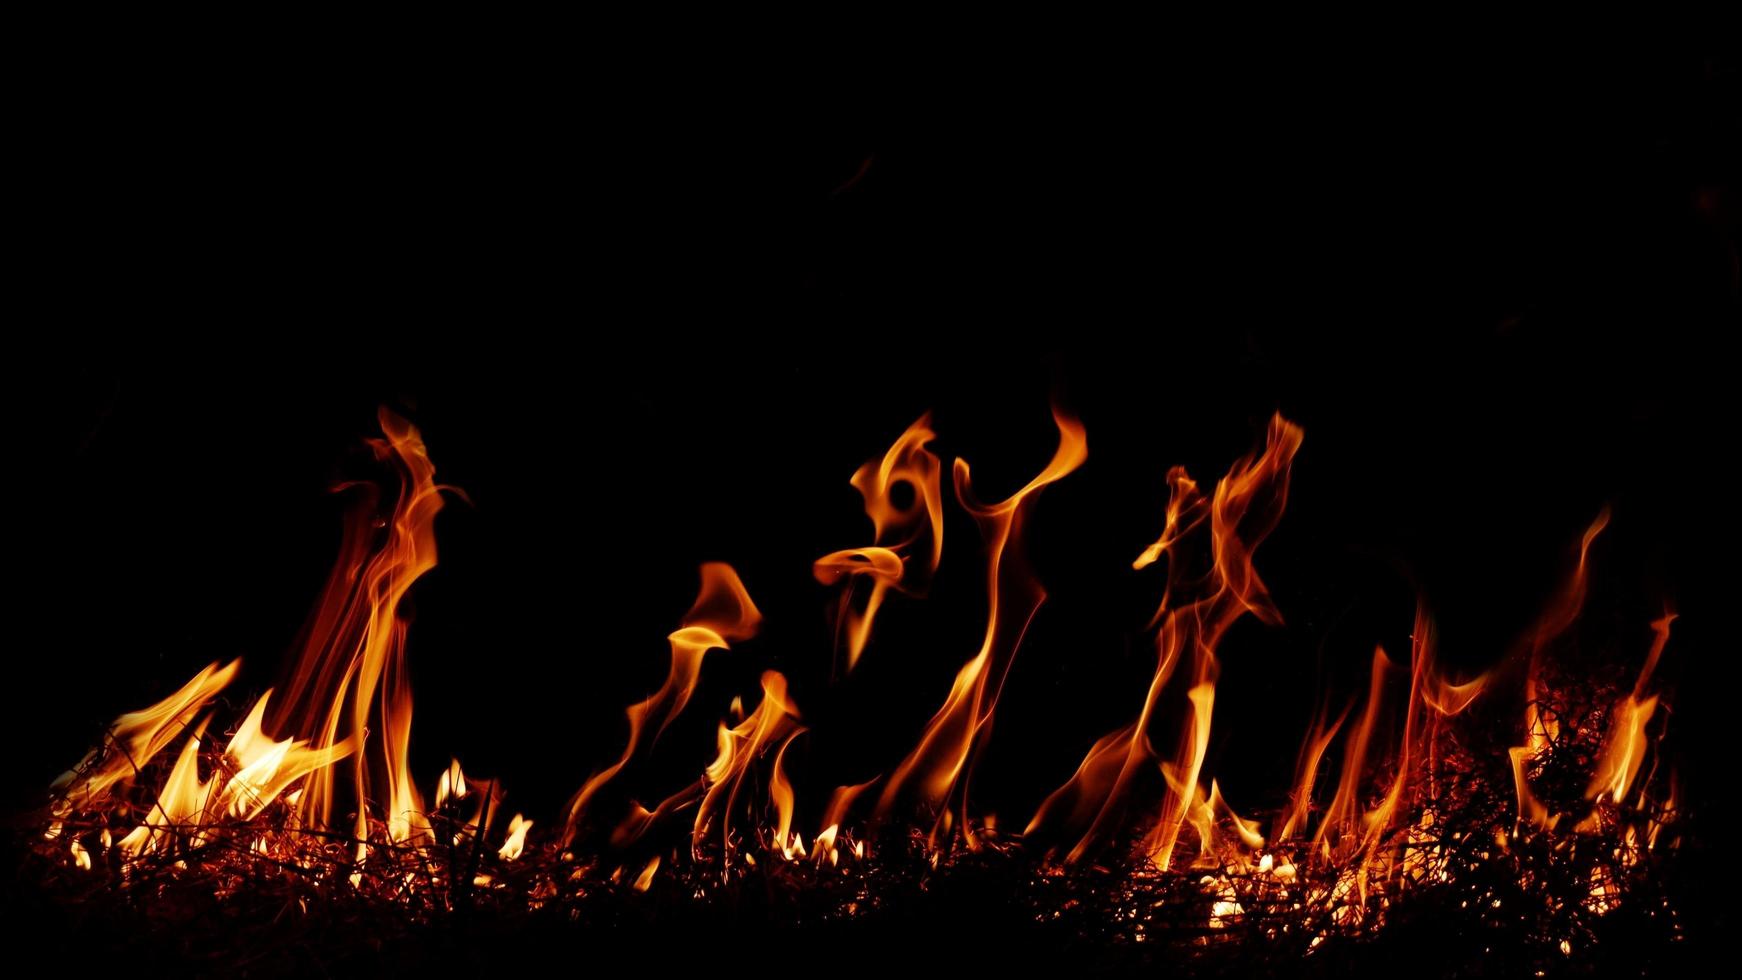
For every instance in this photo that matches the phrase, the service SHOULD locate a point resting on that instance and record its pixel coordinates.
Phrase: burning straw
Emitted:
(1554, 843)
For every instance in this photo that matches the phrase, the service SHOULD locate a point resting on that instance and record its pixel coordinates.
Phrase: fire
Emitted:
(774, 720)
(518, 825)
(781, 796)
(1624, 750)
(908, 538)
(722, 614)
(317, 778)
(136, 737)
(350, 679)
(1245, 507)
(938, 764)
(267, 767)
(1543, 727)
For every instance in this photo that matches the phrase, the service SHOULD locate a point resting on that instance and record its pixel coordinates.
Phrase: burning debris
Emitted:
(1403, 805)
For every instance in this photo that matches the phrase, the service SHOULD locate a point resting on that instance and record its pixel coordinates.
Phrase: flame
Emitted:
(1306, 772)
(722, 614)
(348, 682)
(267, 767)
(901, 534)
(350, 679)
(841, 803)
(1244, 509)
(781, 796)
(181, 806)
(1542, 727)
(937, 764)
(1346, 805)
(452, 783)
(1380, 820)
(1159, 844)
(348, 699)
(518, 825)
(776, 718)
(1624, 747)
(136, 737)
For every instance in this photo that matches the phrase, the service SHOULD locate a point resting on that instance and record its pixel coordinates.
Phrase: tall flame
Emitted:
(1244, 509)
(908, 539)
(936, 766)
(1541, 726)
(722, 614)
(1624, 746)
(350, 680)
(1312, 752)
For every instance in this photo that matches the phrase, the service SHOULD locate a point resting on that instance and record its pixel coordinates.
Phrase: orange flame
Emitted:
(722, 614)
(937, 764)
(1542, 727)
(1346, 805)
(900, 533)
(1624, 747)
(267, 767)
(1306, 773)
(511, 850)
(181, 806)
(350, 679)
(774, 719)
(136, 737)
(1245, 508)
(781, 796)
(840, 803)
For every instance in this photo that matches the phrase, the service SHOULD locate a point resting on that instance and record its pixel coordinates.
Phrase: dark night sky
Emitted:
(643, 336)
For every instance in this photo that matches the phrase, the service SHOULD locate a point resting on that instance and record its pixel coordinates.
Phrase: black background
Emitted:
(646, 331)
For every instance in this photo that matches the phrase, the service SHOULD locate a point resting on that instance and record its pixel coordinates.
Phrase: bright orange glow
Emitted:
(722, 614)
(1312, 752)
(1159, 844)
(937, 765)
(518, 825)
(451, 785)
(1244, 509)
(1542, 727)
(181, 807)
(1624, 746)
(780, 795)
(908, 537)
(1414, 802)
(136, 737)
(776, 718)
(266, 767)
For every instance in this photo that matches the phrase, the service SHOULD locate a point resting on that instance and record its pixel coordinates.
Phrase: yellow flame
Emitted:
(136, 737)
(180, 809)
(774, 719)
(267, 767)
(518, 825)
